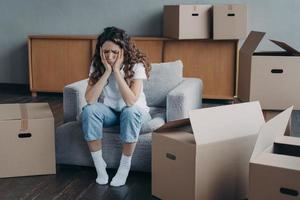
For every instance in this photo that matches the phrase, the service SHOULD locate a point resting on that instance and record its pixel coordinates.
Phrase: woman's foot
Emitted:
(100, 165)
(120, 178)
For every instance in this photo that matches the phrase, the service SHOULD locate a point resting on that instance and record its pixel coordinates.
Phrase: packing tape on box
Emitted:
(24, 117)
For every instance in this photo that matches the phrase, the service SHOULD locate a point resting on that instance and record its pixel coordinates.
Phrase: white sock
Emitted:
(100, 165)
(122, 173)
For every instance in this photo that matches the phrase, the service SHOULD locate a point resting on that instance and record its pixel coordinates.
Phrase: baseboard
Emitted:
(14, 88)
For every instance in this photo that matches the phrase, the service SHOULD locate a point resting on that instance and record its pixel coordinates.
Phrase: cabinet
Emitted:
(212, 61)
(55, 61)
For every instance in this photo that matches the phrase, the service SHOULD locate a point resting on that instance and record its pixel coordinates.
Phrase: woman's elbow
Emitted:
(131, 102)
(89, 100)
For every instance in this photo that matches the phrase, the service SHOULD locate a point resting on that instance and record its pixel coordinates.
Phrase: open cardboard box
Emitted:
(210, 158)
(272, 78)
(275, 162)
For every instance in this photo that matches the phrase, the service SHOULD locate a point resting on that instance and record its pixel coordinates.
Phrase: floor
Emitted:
(74, 182)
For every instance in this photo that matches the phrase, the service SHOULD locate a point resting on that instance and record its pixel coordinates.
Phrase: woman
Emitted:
(117, 73)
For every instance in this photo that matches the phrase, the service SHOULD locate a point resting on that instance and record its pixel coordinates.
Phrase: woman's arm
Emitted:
(130, 94)
(93, 92)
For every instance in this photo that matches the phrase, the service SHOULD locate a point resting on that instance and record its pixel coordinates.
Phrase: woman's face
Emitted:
(111, 52)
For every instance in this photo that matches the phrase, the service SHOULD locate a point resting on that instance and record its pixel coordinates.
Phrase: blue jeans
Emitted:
(96, 116)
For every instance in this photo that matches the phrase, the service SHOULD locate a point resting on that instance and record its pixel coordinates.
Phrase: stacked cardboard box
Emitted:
(229, 21)
(219, 22)
(187, 21)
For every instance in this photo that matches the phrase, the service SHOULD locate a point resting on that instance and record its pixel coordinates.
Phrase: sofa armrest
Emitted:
(74, 99)
(183, 98)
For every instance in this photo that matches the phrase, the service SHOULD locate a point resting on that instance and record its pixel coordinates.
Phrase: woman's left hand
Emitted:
(119, 62)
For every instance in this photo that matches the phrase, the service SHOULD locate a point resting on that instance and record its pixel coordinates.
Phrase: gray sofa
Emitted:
(169, 96)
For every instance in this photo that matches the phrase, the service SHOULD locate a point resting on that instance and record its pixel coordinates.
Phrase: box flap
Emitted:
(173, 124)
(252, 42)
(289, 140)
(278, 161)
(39, 110)
(286, 47)
(10, 112)
(33, 111)
(270, 130)
(226, 122)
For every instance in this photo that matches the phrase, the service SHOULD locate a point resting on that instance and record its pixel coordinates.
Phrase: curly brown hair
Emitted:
(132, 55)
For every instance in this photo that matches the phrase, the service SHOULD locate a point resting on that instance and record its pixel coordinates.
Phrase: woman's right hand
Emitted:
(107, 66)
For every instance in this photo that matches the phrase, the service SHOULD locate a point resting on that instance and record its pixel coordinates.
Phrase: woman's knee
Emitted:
(88, 110)
(131, 123)
(91, 111)
(91, 125)
(131, 112)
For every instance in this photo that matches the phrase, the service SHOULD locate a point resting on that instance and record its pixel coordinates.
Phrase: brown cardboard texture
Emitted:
(187, 21)
(26, 140)
(269, 77)
(210, 158)
(229, 21)
(275, 162)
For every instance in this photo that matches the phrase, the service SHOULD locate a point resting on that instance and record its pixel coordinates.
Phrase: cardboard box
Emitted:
(229, 21)
(187, 21)
(269, 114)
(275, 162)
(26, 140)
(211, 163)
(270, 77)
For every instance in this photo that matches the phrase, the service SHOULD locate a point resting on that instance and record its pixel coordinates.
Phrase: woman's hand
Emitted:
(108, 67)
(119, 62)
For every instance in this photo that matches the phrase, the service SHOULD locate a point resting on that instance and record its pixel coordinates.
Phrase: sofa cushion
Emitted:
(163, 78)
(72, 149)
